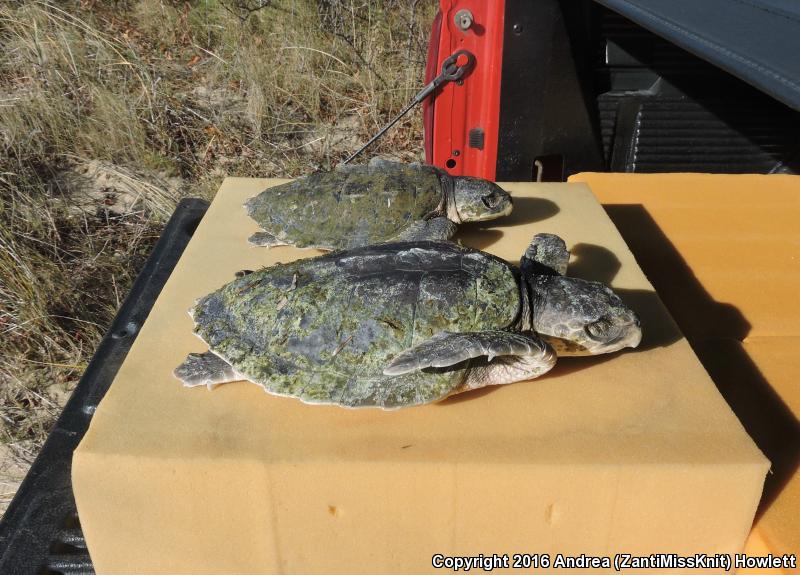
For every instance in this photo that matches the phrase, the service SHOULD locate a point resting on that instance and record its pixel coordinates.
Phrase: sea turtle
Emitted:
(400, 324)
(358, 205)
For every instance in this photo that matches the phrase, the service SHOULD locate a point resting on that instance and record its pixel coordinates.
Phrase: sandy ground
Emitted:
(11, 474)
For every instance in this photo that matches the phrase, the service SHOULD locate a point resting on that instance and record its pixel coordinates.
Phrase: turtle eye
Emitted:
(602, 329)
(491, 200)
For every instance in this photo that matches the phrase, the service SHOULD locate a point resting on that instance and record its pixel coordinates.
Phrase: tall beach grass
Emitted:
(110, 112)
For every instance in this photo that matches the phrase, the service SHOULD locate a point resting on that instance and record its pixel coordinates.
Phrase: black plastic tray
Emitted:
(40, 532)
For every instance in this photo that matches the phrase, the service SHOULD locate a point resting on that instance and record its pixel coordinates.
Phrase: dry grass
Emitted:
(110, 112)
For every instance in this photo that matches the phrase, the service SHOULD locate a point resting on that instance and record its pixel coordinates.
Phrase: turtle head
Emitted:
(580, 317)
(477, 200)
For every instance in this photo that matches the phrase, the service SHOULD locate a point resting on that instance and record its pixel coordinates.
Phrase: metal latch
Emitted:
(454, 68)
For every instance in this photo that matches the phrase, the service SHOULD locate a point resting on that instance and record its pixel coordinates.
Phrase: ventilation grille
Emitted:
(662, 109)
(679, 135)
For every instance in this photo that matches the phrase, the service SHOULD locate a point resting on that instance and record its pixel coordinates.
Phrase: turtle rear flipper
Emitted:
(205, 369)
(433, 229)
(546, 255)
(265, 239)
(521, 355)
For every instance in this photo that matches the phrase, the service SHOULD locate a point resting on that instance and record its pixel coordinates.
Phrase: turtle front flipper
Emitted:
(265, 239)
(205, 369)
(433, 229)
(510, 356)
(547, 255)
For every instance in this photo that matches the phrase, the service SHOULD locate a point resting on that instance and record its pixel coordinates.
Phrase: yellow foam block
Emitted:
(634, 452)
(739, 234)
(756, 547)
(724, 253)
(779, 362)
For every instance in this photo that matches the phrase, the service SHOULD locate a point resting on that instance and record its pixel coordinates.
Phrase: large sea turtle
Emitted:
(358, 205)
(399, 324)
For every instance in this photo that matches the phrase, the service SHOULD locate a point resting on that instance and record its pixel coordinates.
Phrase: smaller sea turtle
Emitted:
(358, 205)
(400, 324)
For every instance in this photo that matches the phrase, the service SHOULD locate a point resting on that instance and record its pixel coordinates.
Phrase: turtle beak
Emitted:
(497, 204)
(635, 337)
(631, 337)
